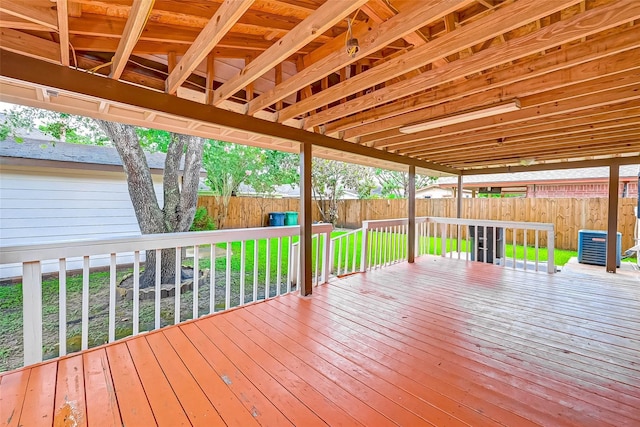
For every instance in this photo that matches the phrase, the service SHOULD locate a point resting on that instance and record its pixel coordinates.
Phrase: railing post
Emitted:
(32, 311)
(551, 266)
(365, 245)
(443, 240)
(326, 257)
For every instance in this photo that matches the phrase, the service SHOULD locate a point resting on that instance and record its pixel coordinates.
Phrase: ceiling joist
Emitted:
(281, 68)
(140, 11)
(320, 21)
(225, 17)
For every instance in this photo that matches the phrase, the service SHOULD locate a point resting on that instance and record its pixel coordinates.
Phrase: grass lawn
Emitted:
(434, 245)
(11, 295)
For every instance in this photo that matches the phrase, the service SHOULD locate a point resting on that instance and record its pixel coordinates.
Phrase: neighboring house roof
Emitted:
(627, 173)
(61, 154)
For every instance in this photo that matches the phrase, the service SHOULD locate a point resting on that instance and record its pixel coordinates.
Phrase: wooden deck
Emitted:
(440, 342)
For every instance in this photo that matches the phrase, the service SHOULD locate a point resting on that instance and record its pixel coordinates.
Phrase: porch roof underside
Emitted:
(276, 73)
(438, 342)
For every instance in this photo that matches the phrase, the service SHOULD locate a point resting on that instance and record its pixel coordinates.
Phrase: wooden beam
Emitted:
(571, 56)
(140, 11)
(612, 219)
(211, 76)
(547, 110)
(8, 21)
(499, 140)
(63, 30)
(225, 17)
(555, 123)
(417, 15)
(411, 208)
(459, 198)
(585, 24)
(557, 84)
(32, 71)
(381, 10)
(40, 15)
(32, 46)
(559, 165)
(577, 144)
(171, 61)
(325, 17)
(279, 104)
(506, 19)
(306, 220)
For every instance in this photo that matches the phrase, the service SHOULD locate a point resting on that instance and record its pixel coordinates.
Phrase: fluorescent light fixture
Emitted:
(464, 117)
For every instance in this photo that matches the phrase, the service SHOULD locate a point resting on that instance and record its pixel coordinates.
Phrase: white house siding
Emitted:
(44, 205)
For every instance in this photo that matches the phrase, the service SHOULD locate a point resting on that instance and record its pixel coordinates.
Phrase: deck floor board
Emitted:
(440, 342)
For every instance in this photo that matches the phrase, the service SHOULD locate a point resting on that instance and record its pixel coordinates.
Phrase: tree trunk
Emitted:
(179, 203)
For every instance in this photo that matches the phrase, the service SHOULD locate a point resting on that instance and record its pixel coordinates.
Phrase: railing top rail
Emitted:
(389, 222)
(492, 223)
(77, 248)
(342, 236)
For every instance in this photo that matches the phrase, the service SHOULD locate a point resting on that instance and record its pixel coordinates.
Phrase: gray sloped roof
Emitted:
(552, 176)
(39, 149)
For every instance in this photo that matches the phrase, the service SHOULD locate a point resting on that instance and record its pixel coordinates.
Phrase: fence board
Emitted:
(568, 214)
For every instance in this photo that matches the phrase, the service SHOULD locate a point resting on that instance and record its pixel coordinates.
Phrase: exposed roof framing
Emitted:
(140, 11)
(279, 72)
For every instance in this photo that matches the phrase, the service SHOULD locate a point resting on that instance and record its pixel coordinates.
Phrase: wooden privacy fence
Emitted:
(567, 214)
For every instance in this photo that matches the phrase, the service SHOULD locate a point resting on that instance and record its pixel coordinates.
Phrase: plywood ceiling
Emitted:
(573, 66)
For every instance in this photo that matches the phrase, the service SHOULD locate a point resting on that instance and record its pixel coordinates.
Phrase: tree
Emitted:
(329, 181)
(179, 202)
(396, 184)
(231, 165)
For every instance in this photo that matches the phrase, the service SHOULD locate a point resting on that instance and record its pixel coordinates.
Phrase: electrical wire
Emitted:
(353, 49)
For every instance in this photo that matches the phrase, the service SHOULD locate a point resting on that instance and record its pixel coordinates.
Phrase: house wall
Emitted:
(595, 189)
(434, 193)
(43, 205)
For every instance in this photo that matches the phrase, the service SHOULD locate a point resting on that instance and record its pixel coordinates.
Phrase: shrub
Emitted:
(202, 221)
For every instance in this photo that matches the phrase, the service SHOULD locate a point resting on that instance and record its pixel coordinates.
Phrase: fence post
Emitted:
(326, 257)
(363, 250)
(551, 266)
(32, 311)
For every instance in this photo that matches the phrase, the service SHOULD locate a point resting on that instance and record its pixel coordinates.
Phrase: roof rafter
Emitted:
(26, 44)
(63, 30)
(556, 136)
(597, 49)
(542, 128)
(21, 68)
(225, 17)
(505, 19)
(585, 102)
(416, 16)
(524, 90)
(140, 10)
(39, 15)
(325, 17)
(582, 25)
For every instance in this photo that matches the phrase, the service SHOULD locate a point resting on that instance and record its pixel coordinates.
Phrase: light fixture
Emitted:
(464, 117)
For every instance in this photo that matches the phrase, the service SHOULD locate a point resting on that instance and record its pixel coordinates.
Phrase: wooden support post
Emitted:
(32, 312)
(211, 77)
(411, 231)
(306, 219)
(459, 200)
(612, 218)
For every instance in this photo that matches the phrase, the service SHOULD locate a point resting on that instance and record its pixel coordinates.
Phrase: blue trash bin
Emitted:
(276, 219)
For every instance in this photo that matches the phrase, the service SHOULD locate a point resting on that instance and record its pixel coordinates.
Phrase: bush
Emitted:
(202, 221)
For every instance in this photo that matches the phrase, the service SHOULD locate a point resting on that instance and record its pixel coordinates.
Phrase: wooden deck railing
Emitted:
(32, 256)
(384, 242)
